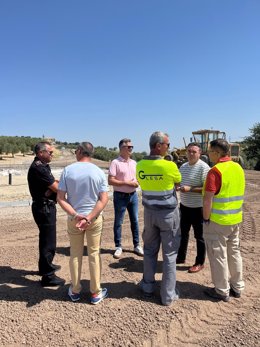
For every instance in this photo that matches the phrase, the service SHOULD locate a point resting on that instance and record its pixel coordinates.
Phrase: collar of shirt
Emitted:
(42, 162)
(223, 159)
(153, 157)
(122, 159)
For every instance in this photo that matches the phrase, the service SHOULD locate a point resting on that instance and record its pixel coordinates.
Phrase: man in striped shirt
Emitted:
(193, 173)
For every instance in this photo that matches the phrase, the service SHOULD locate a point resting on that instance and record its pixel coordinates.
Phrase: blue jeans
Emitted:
(123, 201)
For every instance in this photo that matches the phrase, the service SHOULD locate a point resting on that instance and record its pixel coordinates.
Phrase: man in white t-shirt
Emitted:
(82, 193)
(193, 173)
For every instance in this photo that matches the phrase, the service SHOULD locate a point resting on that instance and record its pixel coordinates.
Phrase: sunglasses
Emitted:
(49, 152)
(165, 143)
(129, 147)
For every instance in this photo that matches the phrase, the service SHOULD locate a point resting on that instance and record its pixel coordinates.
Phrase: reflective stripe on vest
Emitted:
(227, 210)
(159, 200)
(156, 178)
(233, 198)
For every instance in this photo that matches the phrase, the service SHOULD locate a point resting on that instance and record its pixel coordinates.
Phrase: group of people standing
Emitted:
(210, 201)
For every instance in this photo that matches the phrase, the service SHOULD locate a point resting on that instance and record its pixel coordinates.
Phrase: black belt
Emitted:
(125, 194)
(44, 201)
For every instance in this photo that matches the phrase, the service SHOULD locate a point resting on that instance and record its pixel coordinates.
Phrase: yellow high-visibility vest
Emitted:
(157, 177)
(227, 204)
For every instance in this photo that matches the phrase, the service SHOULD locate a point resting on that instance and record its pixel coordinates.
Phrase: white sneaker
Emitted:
(118, 252)
(139, 251)
(74, 296)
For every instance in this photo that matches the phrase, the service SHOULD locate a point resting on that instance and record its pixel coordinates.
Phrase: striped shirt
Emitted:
(193, 176)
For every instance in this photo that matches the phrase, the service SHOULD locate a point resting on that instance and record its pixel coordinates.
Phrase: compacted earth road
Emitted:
(34, 316)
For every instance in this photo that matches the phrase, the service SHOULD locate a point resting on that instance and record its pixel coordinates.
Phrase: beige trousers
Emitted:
(93, 236)
(222, 243)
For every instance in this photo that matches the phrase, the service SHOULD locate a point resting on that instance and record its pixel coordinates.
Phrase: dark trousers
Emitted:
(45, 217)
(192, 217)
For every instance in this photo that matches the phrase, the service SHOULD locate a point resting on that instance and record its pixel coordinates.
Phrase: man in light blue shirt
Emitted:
(82, 193)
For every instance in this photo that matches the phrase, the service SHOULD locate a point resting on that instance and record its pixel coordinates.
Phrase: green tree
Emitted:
(251, 146)
(14, 149)
(23, 148)
(7, 148)
(138, 156)
(102, 153)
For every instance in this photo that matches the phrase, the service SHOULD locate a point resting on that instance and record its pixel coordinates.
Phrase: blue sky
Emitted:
(102, 70)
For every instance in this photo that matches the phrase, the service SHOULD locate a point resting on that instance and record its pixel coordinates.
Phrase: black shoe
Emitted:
(180, 261)
(147, 295)
(213, 294)
(52, 281)
(55, 268)
(234, 294)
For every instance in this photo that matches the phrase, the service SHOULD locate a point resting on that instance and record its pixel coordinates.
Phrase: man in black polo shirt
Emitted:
(43, 188)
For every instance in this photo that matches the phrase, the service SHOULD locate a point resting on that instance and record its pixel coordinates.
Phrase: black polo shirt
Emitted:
(39, 179)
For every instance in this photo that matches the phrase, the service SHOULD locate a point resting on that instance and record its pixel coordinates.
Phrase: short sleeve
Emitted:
(112, 171)
(62, 183)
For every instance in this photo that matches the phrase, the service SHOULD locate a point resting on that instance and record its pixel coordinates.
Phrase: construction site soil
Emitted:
(34, 316)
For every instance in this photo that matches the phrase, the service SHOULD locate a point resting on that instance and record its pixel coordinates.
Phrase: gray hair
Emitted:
(157, 137)
(41, 146)
(123, 141)
(87, 149)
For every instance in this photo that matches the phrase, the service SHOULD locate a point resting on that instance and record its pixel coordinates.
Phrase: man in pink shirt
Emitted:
(122, 176)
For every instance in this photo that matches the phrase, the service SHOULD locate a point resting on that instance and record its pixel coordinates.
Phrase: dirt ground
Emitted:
(34, 316)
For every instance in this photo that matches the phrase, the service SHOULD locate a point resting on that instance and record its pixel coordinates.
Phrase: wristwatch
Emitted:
(206, 221)
(87, 220)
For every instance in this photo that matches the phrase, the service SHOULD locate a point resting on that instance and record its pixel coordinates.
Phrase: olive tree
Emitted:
(252, 146)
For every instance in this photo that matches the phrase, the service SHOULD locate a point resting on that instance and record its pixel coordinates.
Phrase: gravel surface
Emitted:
(34, 316)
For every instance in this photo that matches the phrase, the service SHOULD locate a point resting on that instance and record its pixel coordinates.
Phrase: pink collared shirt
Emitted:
(123, 170)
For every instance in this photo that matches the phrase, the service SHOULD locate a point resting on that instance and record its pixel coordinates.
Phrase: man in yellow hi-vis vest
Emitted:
(222, 213)
(157, 178)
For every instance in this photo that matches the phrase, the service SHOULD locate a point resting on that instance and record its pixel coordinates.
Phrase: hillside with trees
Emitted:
(25, 145)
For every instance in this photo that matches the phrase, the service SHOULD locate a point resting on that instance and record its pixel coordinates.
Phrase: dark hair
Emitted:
(41, 146)
(220, 144)
(123, 141)
(194, 144)
(87, 149)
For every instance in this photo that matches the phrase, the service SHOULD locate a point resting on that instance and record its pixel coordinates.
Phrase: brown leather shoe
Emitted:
(196, 268)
